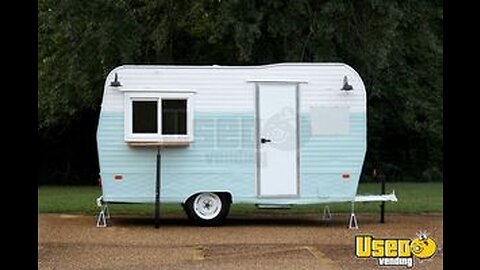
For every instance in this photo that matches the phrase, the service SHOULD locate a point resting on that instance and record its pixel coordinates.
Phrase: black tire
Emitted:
(204, 198)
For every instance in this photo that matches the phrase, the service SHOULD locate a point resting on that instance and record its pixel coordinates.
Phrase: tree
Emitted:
(395, 45)
(78, 43)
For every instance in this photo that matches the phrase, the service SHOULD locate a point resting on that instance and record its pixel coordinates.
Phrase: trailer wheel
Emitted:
(208, 208)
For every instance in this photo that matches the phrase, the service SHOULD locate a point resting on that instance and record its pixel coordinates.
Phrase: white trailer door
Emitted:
(277, 135)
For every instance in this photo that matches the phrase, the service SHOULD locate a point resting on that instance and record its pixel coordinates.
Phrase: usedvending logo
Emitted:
(395, 251)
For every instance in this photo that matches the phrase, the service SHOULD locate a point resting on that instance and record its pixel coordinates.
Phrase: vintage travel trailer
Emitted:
(208, 136)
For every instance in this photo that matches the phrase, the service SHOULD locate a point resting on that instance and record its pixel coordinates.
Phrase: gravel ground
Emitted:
(250, 242)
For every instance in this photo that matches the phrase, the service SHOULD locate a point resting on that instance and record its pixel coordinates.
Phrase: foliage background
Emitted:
(396, 46)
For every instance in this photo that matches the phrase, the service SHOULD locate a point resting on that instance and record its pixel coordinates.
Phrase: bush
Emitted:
(432, 174)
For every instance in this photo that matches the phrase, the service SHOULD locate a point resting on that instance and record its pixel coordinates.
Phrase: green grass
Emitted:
(82, 200)
(412, 198)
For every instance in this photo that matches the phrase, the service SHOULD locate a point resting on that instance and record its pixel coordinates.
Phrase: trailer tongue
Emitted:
(377, 198)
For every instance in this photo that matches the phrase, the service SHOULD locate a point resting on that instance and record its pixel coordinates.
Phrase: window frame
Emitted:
(157, 137)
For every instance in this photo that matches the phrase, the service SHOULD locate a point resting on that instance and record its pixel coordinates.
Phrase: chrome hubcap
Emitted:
(207, 205)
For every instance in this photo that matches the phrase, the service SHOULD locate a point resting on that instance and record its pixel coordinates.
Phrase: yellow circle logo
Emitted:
(423, 247)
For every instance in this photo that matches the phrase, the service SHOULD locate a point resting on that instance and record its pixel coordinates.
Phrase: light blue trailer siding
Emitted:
(323, 160)
(222, 158)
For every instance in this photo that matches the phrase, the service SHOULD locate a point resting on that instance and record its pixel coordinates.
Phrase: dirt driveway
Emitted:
(253, 242)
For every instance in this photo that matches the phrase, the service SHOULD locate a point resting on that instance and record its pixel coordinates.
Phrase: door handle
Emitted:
(263, 140)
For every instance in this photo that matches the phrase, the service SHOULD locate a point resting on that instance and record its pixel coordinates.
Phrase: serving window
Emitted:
(163, 119)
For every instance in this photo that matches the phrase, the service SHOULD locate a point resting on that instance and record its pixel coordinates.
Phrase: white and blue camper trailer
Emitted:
(272, 135)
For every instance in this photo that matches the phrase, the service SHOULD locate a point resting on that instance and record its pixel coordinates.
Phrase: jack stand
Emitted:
(327, 216)
(352, 223)
(107, 212)
(103, 215)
